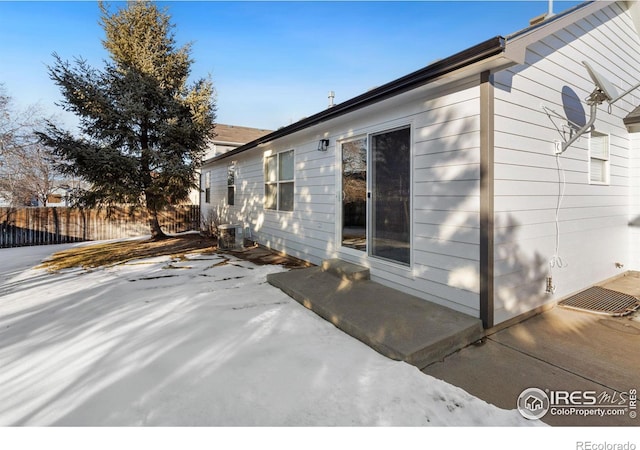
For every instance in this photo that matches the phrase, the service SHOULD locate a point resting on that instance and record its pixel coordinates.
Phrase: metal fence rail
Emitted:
(43, 226)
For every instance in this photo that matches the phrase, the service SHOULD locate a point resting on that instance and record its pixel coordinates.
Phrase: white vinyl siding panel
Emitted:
(634, 206)
(527, 178)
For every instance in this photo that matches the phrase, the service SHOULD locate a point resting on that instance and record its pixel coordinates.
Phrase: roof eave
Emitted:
(229, 143)
(517, 43)
(477, 53)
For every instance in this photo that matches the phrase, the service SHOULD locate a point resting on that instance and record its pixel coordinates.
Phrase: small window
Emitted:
(278, 181)
(54, 198)
(207, 187)
(231, 185)
(599, 158)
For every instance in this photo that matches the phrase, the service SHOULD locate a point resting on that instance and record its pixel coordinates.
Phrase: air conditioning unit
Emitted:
(230, 236)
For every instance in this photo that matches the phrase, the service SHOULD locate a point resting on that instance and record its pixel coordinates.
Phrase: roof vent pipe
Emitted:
(331, 97)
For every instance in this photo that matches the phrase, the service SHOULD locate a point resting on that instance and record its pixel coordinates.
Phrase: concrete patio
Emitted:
(398, 325)
(560, 349)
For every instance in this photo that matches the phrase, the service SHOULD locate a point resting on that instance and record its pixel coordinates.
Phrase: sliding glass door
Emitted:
(376, 195)
(391, 195)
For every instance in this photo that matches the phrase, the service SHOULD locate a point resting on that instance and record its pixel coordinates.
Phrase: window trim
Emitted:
(278, 182)
(606, 159)
(207, 187)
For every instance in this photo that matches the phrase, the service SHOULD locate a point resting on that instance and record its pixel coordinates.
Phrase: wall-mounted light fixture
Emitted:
(323, 145)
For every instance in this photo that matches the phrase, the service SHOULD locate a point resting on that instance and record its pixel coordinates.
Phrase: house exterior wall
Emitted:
(533, 104)
(634, 204)
(445, 175)
(196, 197)
(593, 219)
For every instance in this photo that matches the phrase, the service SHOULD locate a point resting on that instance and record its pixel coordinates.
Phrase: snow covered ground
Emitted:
(205, 341)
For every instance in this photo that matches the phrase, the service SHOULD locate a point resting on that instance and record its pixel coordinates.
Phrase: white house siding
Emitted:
(634, 207)
(445, 171)
(197, 197)
(446, 206)
(308, 231)
(593, 219)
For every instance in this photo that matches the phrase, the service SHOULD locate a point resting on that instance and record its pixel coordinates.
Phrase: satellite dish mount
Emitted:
(604, 91)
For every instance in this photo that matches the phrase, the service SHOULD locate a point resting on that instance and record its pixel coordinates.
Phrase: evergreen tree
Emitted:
(144, 129)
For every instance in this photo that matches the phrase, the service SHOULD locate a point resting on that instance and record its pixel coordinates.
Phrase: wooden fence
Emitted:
(42, 226)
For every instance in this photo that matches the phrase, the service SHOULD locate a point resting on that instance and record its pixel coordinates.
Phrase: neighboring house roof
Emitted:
(233, 134)
(497, 46)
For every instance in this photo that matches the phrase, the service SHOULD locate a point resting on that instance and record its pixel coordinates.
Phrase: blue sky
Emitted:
(272, 63)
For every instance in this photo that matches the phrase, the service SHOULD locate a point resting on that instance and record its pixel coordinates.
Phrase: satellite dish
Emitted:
(604, 85)
(604, 91)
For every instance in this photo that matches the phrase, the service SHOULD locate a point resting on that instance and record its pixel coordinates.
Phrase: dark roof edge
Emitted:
(486, 49)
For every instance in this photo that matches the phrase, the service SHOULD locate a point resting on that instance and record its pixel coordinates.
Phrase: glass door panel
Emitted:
(391, 195)
(354, 194)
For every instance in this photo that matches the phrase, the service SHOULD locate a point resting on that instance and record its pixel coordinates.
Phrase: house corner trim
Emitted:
(486, 199)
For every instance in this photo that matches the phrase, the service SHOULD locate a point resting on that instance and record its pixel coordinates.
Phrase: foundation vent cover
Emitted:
(602, 301)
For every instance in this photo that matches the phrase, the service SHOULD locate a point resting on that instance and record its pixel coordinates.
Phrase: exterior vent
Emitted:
(230, 236)
(602, 301)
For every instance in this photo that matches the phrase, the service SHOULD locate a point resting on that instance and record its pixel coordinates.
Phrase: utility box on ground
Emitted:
(230, 236)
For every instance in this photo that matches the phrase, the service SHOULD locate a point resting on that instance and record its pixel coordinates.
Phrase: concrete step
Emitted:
(345, 270)
(400, 326)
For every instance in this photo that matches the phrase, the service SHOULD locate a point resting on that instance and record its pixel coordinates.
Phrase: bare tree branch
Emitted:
(26, 166)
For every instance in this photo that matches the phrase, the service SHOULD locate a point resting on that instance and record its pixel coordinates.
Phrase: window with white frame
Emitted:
(207, 187)
(231, 185)
(598, 158)
(279, 181)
